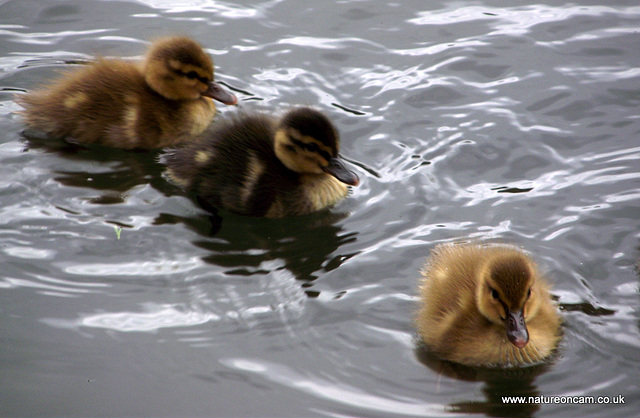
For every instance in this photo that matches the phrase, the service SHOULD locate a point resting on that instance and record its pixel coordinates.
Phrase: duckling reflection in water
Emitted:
(486, 306)
(162, 101)
(254, 164)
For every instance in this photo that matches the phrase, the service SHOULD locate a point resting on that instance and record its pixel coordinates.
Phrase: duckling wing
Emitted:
(85, 104)
(231, 166)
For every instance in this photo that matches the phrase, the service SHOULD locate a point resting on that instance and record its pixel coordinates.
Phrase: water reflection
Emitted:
(118, 170)
(305, 245)
(498, 383)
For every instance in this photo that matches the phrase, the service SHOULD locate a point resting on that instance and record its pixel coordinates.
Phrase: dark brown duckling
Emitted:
(162, 101)
(256, 165)
(486, 306)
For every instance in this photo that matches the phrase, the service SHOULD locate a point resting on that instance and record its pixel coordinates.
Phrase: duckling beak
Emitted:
(216, 92)
(338, 170)
(517, 329)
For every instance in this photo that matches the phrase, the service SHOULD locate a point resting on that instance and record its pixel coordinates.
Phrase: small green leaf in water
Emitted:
(118, 231)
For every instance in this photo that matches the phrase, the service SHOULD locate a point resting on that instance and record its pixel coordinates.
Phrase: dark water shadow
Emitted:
(498, 383)
(586, 308)
(303, 244)
(110, 170)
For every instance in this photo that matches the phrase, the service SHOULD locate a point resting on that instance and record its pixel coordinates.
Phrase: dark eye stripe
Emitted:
(313, 147)
(192, 75)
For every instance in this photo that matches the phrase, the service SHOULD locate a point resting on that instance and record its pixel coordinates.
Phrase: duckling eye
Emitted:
(192, 75)
(494, 294)
(528, 293)
(313, 147)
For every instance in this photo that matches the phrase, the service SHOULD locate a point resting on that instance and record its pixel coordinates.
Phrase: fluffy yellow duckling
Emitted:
(486, 306)
(256, 165)
(161, 101)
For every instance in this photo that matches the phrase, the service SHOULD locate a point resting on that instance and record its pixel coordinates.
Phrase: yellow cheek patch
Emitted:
(190, 83)
(314, 157)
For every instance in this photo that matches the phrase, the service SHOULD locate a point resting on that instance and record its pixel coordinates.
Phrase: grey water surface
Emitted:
(510, 122)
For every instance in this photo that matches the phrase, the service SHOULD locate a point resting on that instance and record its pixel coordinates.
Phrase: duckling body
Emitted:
(254, 164)
(164, 100)
(486, 306)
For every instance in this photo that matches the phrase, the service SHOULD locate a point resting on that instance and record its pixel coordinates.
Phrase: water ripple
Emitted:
(153, 318)
(52, 286)
(517, 20)
(334, 391)
(326, 43)
(227, 10)
(44, 38)
(136, 268)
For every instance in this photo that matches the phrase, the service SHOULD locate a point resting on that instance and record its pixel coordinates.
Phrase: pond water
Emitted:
(119, 296)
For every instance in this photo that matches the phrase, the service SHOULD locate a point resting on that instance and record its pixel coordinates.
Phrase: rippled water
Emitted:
(517, 123)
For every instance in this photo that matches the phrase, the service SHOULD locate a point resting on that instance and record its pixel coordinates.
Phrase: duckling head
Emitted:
(179, 69)
(307, 142)
(507, 294)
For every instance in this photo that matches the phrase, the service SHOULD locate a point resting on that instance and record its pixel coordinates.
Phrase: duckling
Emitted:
(257, 165)
(161, 101)
(486, 306)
